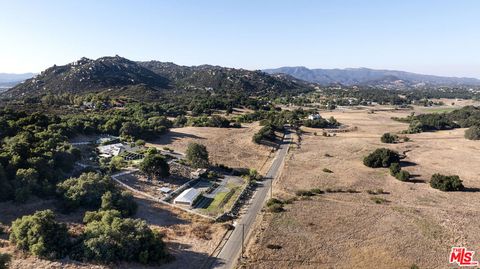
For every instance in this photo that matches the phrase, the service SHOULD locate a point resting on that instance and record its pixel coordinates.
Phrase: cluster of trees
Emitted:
(34, 155)
(446, 183)
(93, 191)
(132, 123)
(366, 95)
(107, 238)
(466, 117)
(276, 116)
(266, 133)
(383, 157)
(321, 123)
(213, 121)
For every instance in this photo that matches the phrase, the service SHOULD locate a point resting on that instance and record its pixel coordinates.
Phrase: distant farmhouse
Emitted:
(108, 151)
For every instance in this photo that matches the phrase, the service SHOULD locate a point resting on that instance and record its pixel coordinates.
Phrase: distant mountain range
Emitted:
(147, 80)
(10, 80)
(370, 77)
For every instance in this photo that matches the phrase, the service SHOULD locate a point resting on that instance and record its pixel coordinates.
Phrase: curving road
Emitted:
(230, 252)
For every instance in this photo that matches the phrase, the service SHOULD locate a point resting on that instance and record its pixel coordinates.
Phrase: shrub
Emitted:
(304, 193)
(394, 169)
(446, 183)
(273, 201)
(403, 175)
(389, 138)
(276, 208)
(380, 191)
(109, 238)
(40, 235)
(272, 246)
(140, 142)
(381, 158)
(121, 201)
(316, 191)
(275, 205)
(326, 170)
(473, 133)
(378, 200)
(197, 155)
(4, 260)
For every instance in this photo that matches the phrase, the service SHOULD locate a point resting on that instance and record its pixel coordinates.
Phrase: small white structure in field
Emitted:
(187, 197)
(314, 116)
(112, 150)
(165, 190)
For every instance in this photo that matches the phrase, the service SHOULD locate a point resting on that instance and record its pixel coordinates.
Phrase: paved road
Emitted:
(232, 249)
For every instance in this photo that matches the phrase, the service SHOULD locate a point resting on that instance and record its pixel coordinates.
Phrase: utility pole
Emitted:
(271, 188)
(243, 237)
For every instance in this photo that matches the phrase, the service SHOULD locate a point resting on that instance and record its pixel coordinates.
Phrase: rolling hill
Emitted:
(85, 76)
(147, 80)
(370, 77)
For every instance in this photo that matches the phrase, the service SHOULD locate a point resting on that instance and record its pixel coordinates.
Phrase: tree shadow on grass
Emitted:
(407, 164)
(154, 214)
(172, 136)
(468, 189)
(186, 258)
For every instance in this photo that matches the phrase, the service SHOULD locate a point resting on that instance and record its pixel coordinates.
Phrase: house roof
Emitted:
(187, 196)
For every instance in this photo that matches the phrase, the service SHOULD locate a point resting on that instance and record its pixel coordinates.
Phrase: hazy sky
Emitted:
(433, 37)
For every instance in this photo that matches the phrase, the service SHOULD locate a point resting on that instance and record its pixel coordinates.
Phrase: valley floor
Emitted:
(417, 225)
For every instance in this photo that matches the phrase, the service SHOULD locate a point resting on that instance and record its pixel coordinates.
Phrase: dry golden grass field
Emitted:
(229, 146)
(416, 225)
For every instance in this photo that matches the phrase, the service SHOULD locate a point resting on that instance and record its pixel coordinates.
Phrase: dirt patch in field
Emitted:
(414, 224)
(229, 146)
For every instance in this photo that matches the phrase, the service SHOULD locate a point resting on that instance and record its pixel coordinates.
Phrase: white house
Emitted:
(112, 150)
(106, 139)
(314, 116)
(187, 197)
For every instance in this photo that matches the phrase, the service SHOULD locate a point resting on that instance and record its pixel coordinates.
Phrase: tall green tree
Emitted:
(155, 166)
(197, 155)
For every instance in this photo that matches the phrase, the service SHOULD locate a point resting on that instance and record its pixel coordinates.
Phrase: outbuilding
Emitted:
(187, 197)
